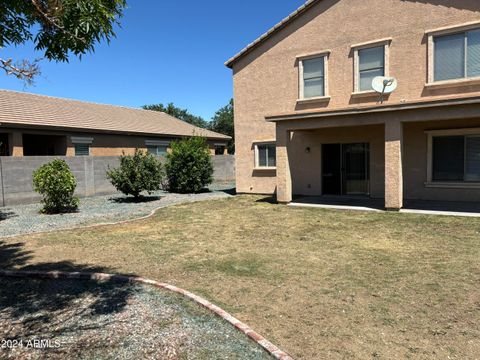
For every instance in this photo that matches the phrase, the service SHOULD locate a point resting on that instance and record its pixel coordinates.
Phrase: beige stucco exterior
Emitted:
(266, 87)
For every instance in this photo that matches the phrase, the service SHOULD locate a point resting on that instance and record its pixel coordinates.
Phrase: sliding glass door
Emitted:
(346, 169)
(355, 169)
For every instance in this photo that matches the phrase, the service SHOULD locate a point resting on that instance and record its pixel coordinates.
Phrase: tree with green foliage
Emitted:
(189, 166)
(182, 114)
(58, 28)
(137, 173)
(56, 183)
(222, 123)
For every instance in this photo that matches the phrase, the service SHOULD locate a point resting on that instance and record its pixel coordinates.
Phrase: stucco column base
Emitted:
(393, 165)
(284, 180)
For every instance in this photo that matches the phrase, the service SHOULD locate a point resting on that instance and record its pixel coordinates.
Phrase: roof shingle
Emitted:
(23, 109)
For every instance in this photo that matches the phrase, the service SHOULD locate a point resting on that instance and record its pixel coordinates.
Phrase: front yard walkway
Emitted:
(25, 219)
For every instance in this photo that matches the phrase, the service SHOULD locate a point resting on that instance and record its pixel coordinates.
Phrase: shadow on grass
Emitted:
(6, 214)
(268, 200)
(34, 307)
(133, 200)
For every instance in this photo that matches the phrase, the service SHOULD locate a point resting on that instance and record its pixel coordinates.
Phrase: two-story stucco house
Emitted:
(307, 121)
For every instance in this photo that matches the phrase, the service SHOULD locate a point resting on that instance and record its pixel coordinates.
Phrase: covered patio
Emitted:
(382, 156)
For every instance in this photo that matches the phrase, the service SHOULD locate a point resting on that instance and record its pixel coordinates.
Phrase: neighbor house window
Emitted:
(265, 155)
(81, 145)
(158, 150)
(157, 147)
(82, 149)
(455, 158)
(456, 56)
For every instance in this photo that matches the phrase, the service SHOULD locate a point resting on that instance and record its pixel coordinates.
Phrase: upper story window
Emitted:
(456, 56)
(370, 61)
(313, 76)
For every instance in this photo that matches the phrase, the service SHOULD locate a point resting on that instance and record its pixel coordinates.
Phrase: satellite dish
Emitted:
(384, 85)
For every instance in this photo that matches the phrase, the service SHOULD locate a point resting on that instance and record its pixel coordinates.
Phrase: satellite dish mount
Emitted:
(384, 85)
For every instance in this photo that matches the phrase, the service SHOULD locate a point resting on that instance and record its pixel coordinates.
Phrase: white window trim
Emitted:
(257, 158)
(431, 34)
(356, 67)
(447, 132)
(301, 83)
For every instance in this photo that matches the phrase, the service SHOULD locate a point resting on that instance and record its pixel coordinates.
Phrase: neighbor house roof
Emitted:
(29, 110)
(308, 4)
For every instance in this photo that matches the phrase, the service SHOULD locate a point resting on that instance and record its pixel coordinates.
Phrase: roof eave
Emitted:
(374, 109)
(285, 22)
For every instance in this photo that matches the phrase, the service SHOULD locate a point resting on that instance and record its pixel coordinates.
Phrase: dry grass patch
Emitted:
(319, 283)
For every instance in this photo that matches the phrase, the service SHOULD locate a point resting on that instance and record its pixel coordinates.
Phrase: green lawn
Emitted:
(318, 283)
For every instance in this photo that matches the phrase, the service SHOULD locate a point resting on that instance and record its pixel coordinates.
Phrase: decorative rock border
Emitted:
(120, 222)
(260, 340)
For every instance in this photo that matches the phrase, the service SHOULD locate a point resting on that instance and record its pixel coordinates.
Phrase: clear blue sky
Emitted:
(165, 51)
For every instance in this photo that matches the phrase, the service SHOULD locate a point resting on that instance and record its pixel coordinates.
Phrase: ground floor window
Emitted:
(219, 149)
(82, 145)
(265, 155)
(158, 150)
(82, 150)
(456, 158)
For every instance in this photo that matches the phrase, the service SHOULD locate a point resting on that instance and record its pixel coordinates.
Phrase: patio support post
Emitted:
(284, 180)
(393, 165)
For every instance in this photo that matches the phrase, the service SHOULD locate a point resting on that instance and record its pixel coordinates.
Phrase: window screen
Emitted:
(457, 56)
(371, 63)
(82, 149)
(448, 158)
(472, 159)
(314, 77)
(157, 150)
(267, 155)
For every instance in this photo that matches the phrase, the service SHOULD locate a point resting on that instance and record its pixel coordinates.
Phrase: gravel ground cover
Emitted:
(25, 219)
(91, 320)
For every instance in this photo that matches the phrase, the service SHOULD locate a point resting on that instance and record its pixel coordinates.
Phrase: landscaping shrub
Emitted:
(189, 166)
(137, 173)
(56, 183)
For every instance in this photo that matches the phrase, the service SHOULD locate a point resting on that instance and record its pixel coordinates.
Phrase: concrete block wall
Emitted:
(16, 175)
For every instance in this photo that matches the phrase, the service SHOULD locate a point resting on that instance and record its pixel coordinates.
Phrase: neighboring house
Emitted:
(307, 121)
(35, 125)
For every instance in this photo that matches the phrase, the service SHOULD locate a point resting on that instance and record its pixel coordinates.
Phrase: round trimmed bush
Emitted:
(189, 166)
(56, 183)
(137, 173)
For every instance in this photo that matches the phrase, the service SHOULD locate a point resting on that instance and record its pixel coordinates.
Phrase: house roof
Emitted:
(29, 110)
(308, 4)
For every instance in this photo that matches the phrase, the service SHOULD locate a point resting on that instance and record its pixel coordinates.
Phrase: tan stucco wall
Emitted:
(266, 80)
